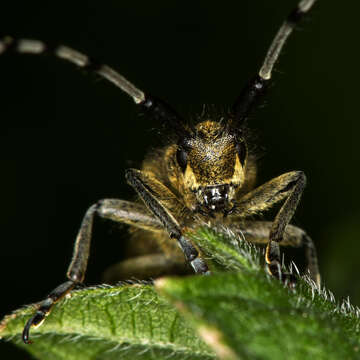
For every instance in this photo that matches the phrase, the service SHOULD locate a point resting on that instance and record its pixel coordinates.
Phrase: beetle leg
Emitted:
(112, 209)
(155, 195)
(258, 232)
(288, 188)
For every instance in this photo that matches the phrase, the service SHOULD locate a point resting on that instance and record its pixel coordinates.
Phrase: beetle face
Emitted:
(212, 161)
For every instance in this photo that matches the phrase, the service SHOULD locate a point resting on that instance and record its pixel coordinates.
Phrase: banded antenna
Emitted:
(251, 94)
(154, 107)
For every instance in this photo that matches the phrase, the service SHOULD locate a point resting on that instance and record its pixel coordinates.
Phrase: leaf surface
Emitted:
(249, 315)
(130, 321)
(239, 312)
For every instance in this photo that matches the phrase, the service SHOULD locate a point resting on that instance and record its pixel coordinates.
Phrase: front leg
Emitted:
(113, 209)
(288, 187)
(160, 200)
(75, 274)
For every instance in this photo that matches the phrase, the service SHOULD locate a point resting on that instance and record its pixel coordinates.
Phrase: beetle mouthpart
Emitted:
(216, 197)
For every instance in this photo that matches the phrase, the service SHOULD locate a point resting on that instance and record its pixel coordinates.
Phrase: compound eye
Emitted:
(242, 152)
(181, 157)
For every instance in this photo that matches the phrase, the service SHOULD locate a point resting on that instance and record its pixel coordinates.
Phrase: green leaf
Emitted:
(250, 315)
(240, 312)
(227, 251)
(129, 321)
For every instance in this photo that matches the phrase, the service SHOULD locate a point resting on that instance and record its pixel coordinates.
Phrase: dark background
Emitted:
(66, 138)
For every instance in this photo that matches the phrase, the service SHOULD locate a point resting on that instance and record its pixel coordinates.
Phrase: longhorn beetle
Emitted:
(206, 175)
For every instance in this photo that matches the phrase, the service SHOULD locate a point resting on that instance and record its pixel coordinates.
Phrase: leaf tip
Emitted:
(160, 283)
(166, 285)
(214, 338)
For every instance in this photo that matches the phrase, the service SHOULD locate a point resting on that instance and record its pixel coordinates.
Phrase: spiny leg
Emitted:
(117, 210)
(288, 187)
(150, 105)
(251, 94)
(258, 232)
(154, 194)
